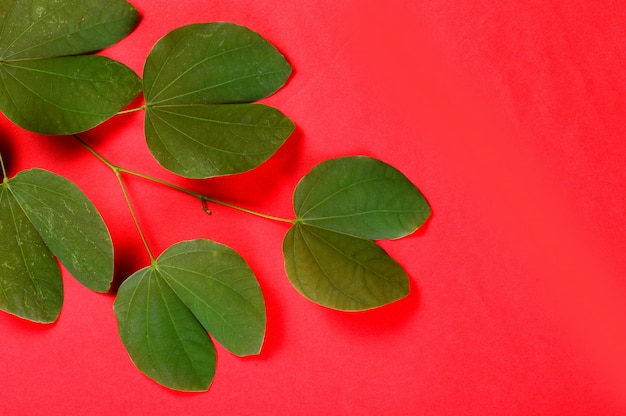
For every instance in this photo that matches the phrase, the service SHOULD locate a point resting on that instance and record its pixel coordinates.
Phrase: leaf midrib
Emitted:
(182, 74)
(31, 275)
(350, 258)
(42, 98)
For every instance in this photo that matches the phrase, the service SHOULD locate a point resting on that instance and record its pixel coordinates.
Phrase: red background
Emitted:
(508, 115)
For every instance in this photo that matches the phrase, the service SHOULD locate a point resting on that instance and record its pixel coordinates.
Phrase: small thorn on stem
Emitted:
(205, 208)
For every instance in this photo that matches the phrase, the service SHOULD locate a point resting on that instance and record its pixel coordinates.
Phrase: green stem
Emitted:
(247, 211)
(132, 213)
(4, 172)
(203, 198)
(131, 110)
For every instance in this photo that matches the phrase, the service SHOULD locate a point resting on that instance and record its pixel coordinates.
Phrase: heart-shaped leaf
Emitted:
(165, 310)
(197, 81)
(341, 205)
(41, 215)
(341, 271)
(360, 196)
(43, 87)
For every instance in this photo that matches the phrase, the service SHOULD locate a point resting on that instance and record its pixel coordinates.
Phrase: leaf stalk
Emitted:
(4, 172)
(133, 215)
(203, 198)
(131, 110)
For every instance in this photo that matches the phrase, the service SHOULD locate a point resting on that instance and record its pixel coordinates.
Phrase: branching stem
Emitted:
(132, 213)
(203, 198)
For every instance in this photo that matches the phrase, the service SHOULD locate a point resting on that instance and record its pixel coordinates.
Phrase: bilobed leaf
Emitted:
(68, 223)
(30, 280)
(198, 81)
(65, 95)
(165, 310)
(360, 196)
(45, 88)
(48, 28)
(341, 205)
(341, 271)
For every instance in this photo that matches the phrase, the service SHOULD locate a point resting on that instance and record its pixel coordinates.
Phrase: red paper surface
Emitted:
(508, 115)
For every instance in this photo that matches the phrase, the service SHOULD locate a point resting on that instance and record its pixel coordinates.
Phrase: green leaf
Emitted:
(68, 223)
(30, 280)
(65, 95)
(341, 205)
(165, 310)
(341, 271)
(45, 88)
(48, 28)
(198, 80)
(220, 289)
(200, 141)
(360, 196)
(212, 63)
(162, 337)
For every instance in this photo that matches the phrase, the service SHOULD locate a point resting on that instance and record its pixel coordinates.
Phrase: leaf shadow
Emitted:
(7, 151)
(64, 147)
(14, 324)
(382, 321)
(387, 319)
(274, 330)
(116, 125)
(127, 261)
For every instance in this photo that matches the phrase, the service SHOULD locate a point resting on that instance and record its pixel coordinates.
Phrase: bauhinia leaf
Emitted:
(68, 223)
(44, 215)
(360, 196)
(45, 88)
(341, 205)
(30, 280)
(165, 310)
(198, 80)
(341, 271)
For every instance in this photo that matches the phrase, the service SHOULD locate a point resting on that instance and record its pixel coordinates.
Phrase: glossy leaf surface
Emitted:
(341, 271)
(360, 196)
(198, 81)
(45, 88)
(30, 280)
(68, 223)
(165, 310)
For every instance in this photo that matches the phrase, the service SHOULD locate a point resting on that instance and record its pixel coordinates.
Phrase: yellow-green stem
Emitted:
(201, 197)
